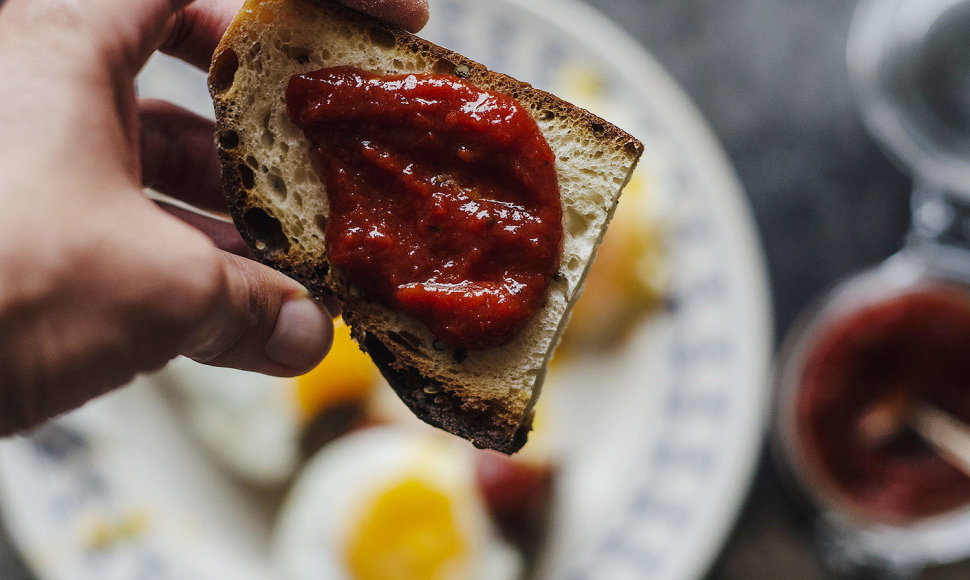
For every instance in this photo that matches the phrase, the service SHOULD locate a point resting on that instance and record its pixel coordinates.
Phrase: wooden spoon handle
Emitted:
(947, 434)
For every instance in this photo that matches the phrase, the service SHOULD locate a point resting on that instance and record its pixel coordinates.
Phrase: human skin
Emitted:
(97, 282)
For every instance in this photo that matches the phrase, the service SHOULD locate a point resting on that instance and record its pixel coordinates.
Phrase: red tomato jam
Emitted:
(444, 200)
(912, 347)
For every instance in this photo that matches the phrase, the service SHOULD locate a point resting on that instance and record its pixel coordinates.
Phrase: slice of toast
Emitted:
(278, 202)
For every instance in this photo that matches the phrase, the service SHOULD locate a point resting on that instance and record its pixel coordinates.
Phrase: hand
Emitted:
(98, 282)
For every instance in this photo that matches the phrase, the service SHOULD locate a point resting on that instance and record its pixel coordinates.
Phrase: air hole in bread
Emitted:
(267, 139)
(278, 185)
(546, 115)
(325, 54)
(246, 177)
(298, 53)
(267, 231)
(443, 66)
(598, 128)
(321, 221)
(224, 68)
(228, 140)
(576, 223)
(382, 37)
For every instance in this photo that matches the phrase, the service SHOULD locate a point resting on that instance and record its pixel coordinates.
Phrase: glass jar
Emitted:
(881, 330)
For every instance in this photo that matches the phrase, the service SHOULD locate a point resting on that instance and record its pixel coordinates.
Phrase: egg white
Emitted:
(341, 481)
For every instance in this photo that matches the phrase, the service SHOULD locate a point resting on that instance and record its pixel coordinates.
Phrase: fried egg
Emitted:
(253, 424)
(391, 503)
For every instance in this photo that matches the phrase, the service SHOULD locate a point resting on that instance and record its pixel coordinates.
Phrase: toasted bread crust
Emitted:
(440, 387)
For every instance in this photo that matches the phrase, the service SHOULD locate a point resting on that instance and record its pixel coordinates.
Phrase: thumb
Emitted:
(131, 31)
(263, 322)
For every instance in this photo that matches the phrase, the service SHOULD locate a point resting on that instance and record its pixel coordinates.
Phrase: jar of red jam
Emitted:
(881, 348)
(894, 336)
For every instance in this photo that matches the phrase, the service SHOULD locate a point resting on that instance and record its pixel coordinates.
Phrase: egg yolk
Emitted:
(409, 533)
(346, 374)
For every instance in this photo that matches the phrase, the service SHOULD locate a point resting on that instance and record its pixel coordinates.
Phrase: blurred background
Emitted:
(770, 78)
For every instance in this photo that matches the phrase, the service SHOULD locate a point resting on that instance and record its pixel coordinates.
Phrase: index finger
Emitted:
(195, 30)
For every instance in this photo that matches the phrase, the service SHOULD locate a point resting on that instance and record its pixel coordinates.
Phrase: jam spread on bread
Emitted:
(444, 201)
(888, 357)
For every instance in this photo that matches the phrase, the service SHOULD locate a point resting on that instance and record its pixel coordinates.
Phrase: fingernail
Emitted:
(302, 335)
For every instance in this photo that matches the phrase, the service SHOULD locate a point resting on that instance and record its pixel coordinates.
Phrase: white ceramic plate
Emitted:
(664, 433)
